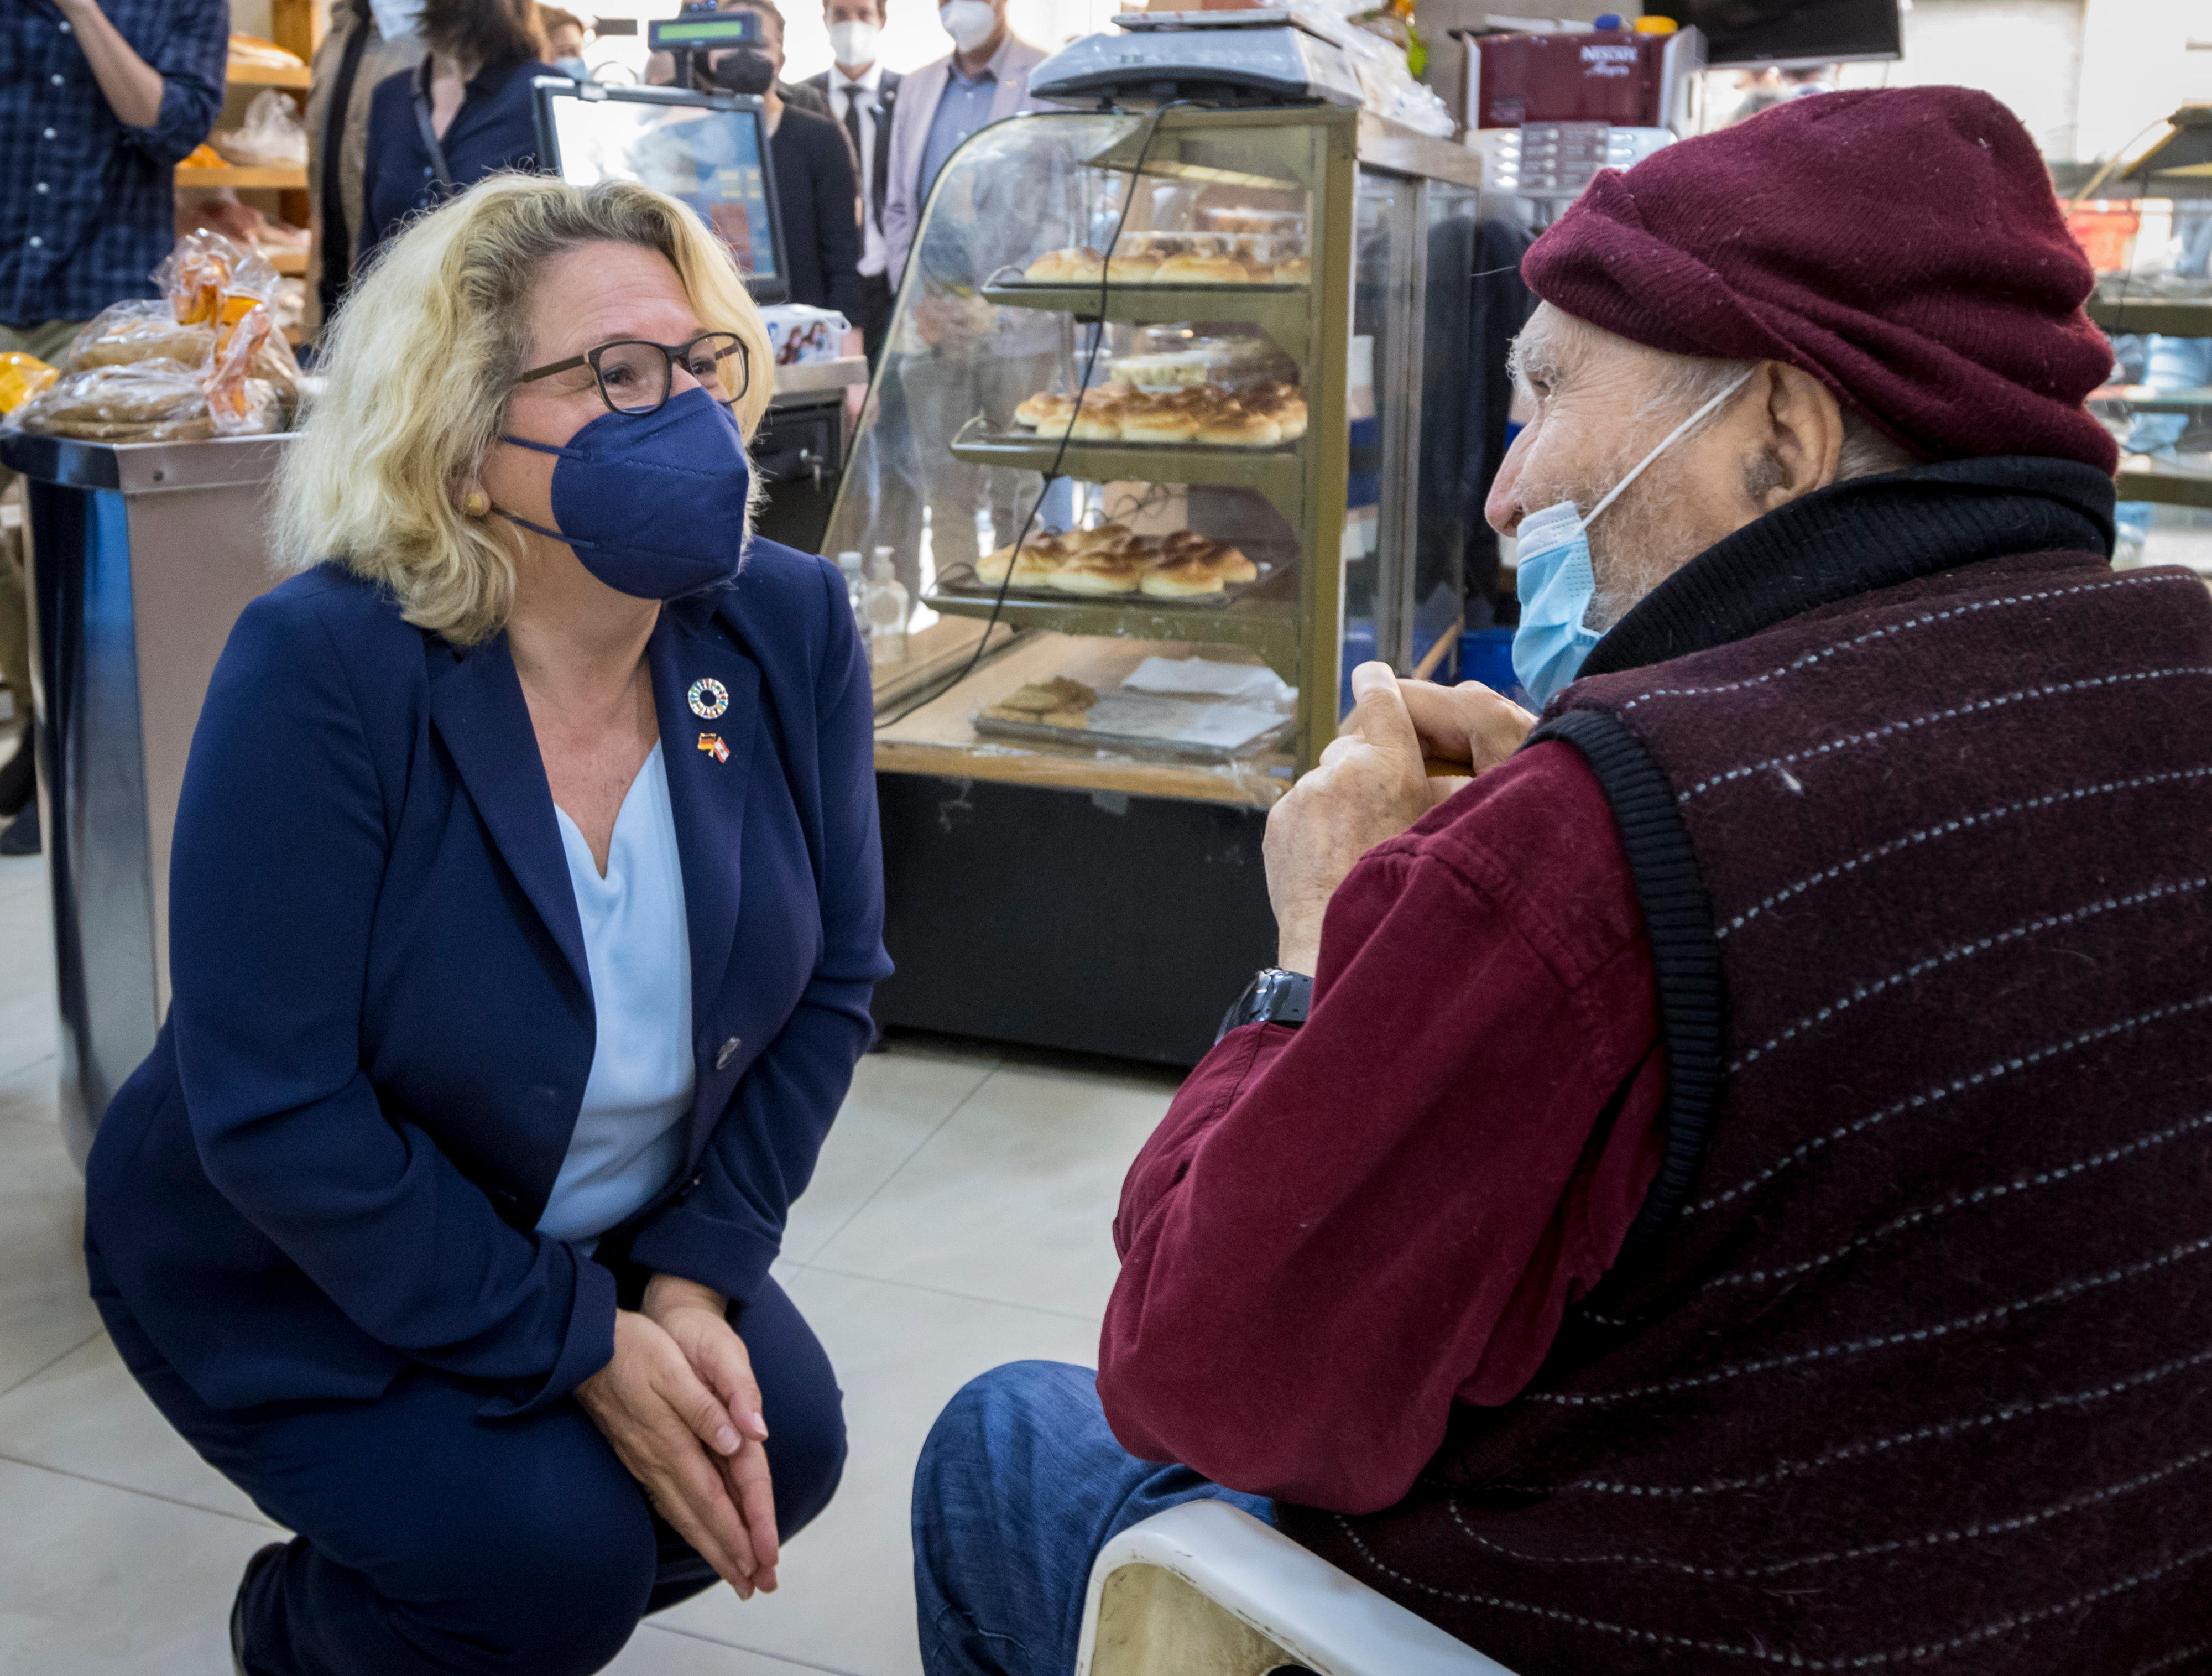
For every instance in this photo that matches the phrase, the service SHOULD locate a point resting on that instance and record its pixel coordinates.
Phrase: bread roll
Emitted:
(1196, 269)
(1046, 412)
(1139, 268)
(1294, 271)
(1237, 428)
(1097, 421)
(1098, 573)
(1060, 267)
(1183, 579)
(1149, 423)
(1230, 564)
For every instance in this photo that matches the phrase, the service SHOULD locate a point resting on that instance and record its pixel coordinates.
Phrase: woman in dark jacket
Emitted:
(465, 112)
(525, 906)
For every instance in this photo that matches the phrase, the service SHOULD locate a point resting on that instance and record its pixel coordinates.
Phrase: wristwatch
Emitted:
(1273, 996)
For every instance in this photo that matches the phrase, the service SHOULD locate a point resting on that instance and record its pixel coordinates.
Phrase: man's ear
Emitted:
(1802, 436)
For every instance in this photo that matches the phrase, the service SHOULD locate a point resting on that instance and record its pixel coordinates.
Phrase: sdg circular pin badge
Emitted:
(709, 698)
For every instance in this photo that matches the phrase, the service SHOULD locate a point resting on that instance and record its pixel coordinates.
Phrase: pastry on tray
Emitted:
(1058, 702)
(1076, 265)
(1208, 414)
(1112, 559)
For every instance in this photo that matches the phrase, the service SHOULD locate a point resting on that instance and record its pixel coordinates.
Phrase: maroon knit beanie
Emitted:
(1903, 247)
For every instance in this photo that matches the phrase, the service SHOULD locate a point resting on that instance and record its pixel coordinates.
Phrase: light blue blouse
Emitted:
(628, 1143)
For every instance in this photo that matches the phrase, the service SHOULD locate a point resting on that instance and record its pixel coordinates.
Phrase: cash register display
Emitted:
(711, 159)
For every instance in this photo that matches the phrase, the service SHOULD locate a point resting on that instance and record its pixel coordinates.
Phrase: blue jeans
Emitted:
(1020, 1485)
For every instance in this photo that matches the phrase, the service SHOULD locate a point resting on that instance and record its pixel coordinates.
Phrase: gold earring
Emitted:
(474, 504)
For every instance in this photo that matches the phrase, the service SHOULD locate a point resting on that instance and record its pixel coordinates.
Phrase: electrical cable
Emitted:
(1060, 454)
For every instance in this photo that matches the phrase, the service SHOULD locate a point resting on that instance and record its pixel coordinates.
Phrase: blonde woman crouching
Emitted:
(525, 908)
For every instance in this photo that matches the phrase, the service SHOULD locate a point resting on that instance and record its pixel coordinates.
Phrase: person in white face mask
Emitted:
(863, 95)
(985, 79)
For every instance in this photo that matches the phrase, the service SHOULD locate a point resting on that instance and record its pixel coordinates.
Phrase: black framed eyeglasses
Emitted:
(634, 376)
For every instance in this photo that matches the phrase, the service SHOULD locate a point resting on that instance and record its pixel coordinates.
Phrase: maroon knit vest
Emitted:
(1908, 1363)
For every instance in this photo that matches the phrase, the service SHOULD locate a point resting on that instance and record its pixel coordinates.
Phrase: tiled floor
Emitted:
(959, 1219)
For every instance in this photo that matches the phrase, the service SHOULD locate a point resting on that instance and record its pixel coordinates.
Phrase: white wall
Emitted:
(2136, 67)
(2027, 53)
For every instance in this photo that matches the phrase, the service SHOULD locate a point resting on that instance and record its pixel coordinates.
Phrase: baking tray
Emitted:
(960, 580)
(1130, 744)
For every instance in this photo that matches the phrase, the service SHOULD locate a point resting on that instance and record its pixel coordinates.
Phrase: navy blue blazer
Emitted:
(332, 1164)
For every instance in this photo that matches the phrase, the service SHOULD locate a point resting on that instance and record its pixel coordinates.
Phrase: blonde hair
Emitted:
(419, 364)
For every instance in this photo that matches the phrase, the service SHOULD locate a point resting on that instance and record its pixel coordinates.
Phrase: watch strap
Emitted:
(1273, 996)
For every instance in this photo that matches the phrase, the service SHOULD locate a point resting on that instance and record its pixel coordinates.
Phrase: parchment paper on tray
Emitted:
(1145, 724)
(1198, 677)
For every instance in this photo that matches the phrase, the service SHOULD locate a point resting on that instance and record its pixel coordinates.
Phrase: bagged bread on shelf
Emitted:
(204, 360)
(271, 137)
(142, 329)
(21, 377)
(251, 52)
(149, 401)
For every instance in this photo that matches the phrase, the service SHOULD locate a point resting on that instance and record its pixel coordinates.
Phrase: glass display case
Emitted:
(1259, 472)
(1172, 402)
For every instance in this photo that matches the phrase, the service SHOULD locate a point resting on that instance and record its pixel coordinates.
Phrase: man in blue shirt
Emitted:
(98, 103)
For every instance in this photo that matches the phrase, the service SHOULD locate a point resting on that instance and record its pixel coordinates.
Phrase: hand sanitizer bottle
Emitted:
(886, 605)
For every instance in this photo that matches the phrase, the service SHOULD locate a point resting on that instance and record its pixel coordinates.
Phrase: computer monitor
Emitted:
(1790, 31)
(705, 146)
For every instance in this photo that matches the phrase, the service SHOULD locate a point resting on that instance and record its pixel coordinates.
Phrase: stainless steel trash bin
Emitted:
(142, 557)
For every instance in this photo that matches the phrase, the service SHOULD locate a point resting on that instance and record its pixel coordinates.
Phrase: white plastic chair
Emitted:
(1204, 1589)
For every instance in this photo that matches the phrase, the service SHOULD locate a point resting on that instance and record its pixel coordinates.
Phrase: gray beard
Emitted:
(1641, 543)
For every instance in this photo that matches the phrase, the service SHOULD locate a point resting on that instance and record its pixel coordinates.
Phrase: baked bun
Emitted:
(1060, 267)
(1059, 694)
(1160, 423)
(1038, 561)
(1182, 579)
(1045, 411)
(1195, 270)
(1294, 271)
(1097, 421)
(1230, 564)
(1134, 268)
(1237, 428)
(1098, 573)
(1105, 538)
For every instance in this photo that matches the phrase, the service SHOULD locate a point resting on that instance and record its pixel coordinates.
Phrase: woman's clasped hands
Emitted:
(683, 1410)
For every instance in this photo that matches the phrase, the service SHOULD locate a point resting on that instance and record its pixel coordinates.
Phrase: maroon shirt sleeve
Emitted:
(1340, 1230)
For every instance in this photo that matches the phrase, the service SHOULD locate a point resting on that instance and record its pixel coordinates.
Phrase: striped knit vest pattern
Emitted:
(1912, 1369)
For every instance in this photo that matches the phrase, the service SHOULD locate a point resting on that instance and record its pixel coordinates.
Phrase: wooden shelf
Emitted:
(938, 739)
(292, 180)
(255, 76)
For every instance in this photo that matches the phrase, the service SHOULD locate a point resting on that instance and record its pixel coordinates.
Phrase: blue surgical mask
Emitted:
(653, 505)
(1556, 580)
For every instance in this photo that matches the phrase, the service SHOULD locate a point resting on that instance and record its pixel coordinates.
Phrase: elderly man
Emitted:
(1739, 1198)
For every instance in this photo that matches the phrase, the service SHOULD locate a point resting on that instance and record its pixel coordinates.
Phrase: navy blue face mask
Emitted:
(653, 503)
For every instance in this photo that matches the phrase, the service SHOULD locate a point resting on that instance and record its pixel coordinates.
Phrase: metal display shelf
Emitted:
(1281, 310)
(2166, 486)
(1279, 472)
(1269, 627)
(2144, 399)
(2173, 317)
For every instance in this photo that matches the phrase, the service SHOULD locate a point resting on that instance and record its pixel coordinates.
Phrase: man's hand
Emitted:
(1468, 724)
(132, 86)
(1368, 786)
(697, 1318)
(675, 1436)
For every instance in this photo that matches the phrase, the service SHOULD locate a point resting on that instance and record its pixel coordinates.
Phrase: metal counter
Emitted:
(141, 556)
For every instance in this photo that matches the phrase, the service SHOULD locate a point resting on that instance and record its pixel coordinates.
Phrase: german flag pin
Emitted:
(712, 744)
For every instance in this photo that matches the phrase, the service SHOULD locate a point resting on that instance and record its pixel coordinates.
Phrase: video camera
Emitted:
(700, 36)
